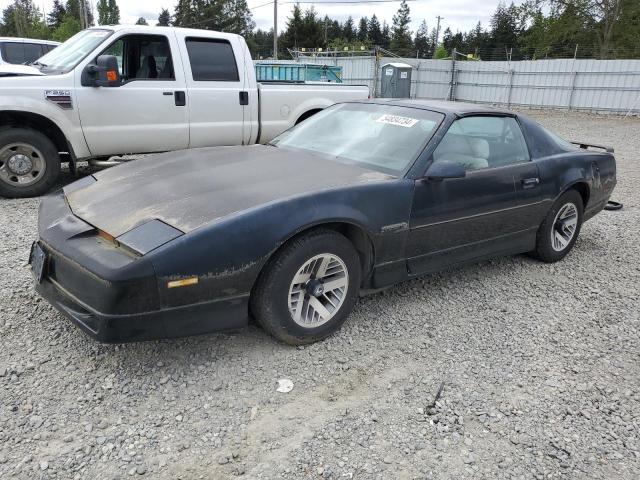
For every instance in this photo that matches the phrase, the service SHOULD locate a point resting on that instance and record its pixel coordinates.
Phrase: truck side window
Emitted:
(212, 60)
(142, 57)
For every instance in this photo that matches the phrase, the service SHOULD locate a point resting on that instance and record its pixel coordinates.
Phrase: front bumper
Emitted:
(115, 296)
(206, 317)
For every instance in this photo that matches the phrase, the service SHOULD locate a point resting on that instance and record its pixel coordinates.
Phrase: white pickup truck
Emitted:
(118, 90)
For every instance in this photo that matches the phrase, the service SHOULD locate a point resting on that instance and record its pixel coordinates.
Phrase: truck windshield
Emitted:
(385, 138)
(70, 53)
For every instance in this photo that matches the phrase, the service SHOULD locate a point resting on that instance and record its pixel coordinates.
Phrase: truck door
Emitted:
(215, 90)
(148, 111)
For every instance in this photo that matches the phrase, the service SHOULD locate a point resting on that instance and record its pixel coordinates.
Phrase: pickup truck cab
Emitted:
(118, 90)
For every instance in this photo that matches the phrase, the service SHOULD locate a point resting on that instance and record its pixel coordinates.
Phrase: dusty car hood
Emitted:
(189, 188)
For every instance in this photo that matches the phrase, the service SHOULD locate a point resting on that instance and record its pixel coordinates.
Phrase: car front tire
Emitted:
(29, 163)
(559, 231)
(307, 290)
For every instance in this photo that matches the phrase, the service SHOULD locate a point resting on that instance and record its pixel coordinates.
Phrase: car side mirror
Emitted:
(440, 170)
(104, 73)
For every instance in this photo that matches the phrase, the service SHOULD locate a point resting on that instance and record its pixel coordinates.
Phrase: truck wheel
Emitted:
(308, 289)
(29, 163)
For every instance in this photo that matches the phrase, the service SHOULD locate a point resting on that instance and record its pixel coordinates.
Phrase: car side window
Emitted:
(212, 60)
(480, 142)
(142, 57)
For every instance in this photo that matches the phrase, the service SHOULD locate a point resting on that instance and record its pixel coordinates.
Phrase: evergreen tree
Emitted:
(294, 29)
(73, 10)
(184, 14)
(386, 36)
(164, 19)
(141, 21)
(56, 16)
(506, 27)
(108, 12)
(422, 41)
(363, 29)
(22, 19)
(374, 31)
(237, 18)
(401, 43)
(349, 30)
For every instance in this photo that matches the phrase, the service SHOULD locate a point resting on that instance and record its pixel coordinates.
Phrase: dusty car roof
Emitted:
(458, 108)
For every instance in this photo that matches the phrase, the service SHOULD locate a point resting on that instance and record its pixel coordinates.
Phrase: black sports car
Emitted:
(357, 198)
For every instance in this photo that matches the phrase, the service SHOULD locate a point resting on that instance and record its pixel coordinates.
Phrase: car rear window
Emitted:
(212, 60)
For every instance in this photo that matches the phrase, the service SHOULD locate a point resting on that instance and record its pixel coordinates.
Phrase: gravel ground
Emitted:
(539, 363)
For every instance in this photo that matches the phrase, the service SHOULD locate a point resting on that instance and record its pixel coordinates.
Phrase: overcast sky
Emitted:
(458, 14)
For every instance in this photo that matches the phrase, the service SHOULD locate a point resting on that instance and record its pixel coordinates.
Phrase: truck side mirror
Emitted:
(105, 73)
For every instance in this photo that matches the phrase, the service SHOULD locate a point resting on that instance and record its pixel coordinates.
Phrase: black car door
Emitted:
(487, 212)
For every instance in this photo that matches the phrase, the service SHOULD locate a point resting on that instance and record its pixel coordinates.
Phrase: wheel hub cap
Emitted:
(20, 164)
(318, 290)
(315, 287)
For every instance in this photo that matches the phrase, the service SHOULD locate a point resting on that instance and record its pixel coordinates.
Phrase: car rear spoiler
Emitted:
(585, 146)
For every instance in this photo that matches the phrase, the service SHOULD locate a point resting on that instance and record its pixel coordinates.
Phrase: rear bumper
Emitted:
(206, 317)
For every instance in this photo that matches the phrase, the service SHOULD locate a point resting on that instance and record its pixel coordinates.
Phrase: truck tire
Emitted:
(29, 163)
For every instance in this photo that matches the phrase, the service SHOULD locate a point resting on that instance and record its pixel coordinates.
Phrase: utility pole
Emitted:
(435, 43)
(275, 29)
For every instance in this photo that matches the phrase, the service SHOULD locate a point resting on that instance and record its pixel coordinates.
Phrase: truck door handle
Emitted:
(244, 98)
(530, 182)
(180, 98)
(168, 94)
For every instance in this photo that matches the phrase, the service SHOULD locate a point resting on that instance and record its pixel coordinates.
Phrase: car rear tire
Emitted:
(29, 163)
(560, 229)
(307, 290)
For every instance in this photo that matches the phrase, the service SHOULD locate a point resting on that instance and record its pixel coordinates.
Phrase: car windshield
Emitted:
(71, 52)
(386, 138)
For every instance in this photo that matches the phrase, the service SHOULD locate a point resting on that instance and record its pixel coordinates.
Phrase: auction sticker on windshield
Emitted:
(397, 120)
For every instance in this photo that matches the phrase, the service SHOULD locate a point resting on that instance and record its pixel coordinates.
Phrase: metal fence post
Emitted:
(452, 82)
(573, 88)
(511, 73)
(376, 67)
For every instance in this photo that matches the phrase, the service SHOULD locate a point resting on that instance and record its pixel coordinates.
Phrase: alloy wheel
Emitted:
(564, 227)
(318, 290)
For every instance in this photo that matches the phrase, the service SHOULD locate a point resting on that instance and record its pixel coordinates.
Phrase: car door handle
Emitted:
(244, 98)
(168, 94)
(180, 98)
(530, 182)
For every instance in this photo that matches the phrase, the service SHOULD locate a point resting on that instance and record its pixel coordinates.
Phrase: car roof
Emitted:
(28, 40)
(443, 106)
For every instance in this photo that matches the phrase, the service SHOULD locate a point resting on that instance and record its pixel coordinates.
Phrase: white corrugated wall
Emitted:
(593, 85)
